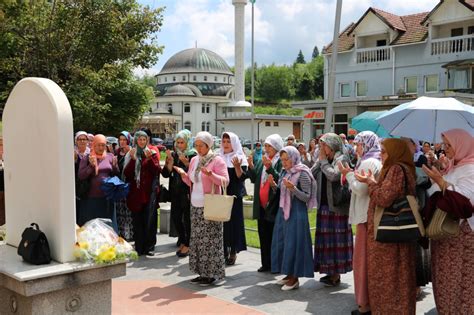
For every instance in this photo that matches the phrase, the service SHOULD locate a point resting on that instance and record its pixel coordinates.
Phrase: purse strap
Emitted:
(406, 179)
(222, 186)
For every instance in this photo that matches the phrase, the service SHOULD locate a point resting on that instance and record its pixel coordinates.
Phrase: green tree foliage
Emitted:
(300, 58)
(89, 48)
(274, 83)
(315, 52)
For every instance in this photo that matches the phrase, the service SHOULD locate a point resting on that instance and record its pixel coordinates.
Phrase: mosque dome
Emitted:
(196, 60)
(179, 90)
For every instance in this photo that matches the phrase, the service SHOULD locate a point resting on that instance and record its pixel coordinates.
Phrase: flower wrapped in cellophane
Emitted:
(97, 242)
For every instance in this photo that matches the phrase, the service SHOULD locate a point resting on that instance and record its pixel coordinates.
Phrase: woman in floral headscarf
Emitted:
(333, 248)
(95, 167)
(124, 216)
(368, 152)
(291, 245)
(178, 190)
(141, 173)
(452, 259)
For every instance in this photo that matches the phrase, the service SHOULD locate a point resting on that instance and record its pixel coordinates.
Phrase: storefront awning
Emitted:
(459, 63)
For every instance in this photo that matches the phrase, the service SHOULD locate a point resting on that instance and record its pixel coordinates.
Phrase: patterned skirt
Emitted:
(206, 253)
(333, 248)
(452, 262)
(124, 220)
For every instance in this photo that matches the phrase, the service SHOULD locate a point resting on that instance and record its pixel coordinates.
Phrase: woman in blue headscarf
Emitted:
(179, 191)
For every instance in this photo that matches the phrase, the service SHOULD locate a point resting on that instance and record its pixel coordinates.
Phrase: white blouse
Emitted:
(462, 178)
(197, 192)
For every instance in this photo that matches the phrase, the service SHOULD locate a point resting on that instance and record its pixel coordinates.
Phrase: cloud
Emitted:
(281, 28)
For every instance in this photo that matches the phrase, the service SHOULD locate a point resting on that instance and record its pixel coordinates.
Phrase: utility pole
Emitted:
(252, 84)
(332, 70)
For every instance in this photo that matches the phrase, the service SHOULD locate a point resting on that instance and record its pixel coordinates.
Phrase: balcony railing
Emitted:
(452, 45)
(367, 55)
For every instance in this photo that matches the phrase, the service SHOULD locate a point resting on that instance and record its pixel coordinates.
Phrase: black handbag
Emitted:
(341, 195)
(400, 222)
(34, 246)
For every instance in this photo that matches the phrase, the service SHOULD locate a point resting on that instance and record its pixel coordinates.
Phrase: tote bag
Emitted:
(218, 207)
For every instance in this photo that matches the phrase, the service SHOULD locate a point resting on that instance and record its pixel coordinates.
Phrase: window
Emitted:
(187, 125)
(431, 83)
(223, 79)
(458, 79)
(361, 88)
(275, 124)
(230, 80)
(456, 32)
(203, 109)
(215, 78)
(411, 85)
(166, 79)
(208, 126)
(205, 78)
(381, 42)
(159, 80)
(194, 78)
(170, 108)
(184, 78)
(187, 108)
(268, 124)
(203, 126)
(470, 30)
(208, 108)
(174, 78)
(345, 90)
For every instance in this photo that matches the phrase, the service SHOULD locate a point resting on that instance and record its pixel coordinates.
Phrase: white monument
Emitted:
(39, 165)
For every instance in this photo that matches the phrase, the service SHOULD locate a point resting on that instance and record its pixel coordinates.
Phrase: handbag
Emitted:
(164, 194)
(341, 194)
(218, 207)
(34, 246)
(400, 222)
(442, 224)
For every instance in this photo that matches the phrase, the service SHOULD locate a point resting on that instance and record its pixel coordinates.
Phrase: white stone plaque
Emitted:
(39, 164)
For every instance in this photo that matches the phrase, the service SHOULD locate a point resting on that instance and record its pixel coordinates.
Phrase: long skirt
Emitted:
(93, 208)
(206, 253)
(391, 274)
(452, 263)
(291, 243)
(333, 248)
(234, 230)
(360, 266)
(124, 220)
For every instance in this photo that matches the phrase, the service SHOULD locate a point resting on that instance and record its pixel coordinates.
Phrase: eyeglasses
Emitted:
(82, 139)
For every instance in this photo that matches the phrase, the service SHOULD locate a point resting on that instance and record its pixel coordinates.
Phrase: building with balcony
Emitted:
(385, 60)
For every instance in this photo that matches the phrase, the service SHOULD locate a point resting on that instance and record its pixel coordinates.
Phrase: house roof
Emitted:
(409, 28)
(467, 3)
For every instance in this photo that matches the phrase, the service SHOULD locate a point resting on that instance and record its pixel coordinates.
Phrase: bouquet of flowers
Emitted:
(97, 242)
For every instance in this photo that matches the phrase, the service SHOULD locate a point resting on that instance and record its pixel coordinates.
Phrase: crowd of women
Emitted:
(346, 181)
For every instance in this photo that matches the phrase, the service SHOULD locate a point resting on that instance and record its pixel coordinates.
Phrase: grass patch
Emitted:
(254, 241)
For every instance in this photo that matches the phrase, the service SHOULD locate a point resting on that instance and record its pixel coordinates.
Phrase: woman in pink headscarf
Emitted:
(95, 167)
(452, 259)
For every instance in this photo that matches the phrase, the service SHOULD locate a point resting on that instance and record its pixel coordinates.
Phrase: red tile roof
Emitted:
(415, 31)
(392, 20)
(345, 43)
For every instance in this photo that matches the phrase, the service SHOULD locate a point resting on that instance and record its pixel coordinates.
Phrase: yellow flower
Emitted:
(107, 254)
(84, 245)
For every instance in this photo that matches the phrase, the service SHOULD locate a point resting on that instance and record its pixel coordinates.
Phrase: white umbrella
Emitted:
(427, 117)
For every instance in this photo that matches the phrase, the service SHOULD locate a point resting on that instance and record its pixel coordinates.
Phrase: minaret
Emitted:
(239, 49)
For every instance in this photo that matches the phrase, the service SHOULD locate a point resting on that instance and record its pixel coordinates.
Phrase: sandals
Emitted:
(328, 282)
(230, 261)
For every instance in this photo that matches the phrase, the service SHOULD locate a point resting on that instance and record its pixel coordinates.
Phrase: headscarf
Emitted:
(236, 150)
(98, 139)
(370, 143)
(139, 154)
(205, 137)
(186, 135)
(88, 150)
(333, 141)
(293, 175)
(257, 153)
(90, 136)
(418, 150)
(276, 142)
(462, 143)
(127, 136)
(398, 153)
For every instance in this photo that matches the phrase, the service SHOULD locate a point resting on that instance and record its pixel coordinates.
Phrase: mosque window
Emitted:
(205, 78)
(187, 108)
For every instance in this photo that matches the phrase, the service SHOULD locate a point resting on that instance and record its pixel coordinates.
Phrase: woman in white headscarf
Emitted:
(206, 253)
(266, 199)
(236, 161)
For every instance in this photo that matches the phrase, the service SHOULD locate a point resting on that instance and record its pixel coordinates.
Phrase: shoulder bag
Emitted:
(401, 222)
(218, 207)
(442, 224)
(34, 246)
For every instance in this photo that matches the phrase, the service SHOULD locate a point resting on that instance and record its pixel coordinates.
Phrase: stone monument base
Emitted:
(79, 288)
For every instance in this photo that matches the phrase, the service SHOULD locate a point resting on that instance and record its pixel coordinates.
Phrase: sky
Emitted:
(282, 27)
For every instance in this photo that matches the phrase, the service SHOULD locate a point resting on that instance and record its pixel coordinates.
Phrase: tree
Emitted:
(316, 69)
(315, 52)
(89, 48)
(274, 83)
(300, 58)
